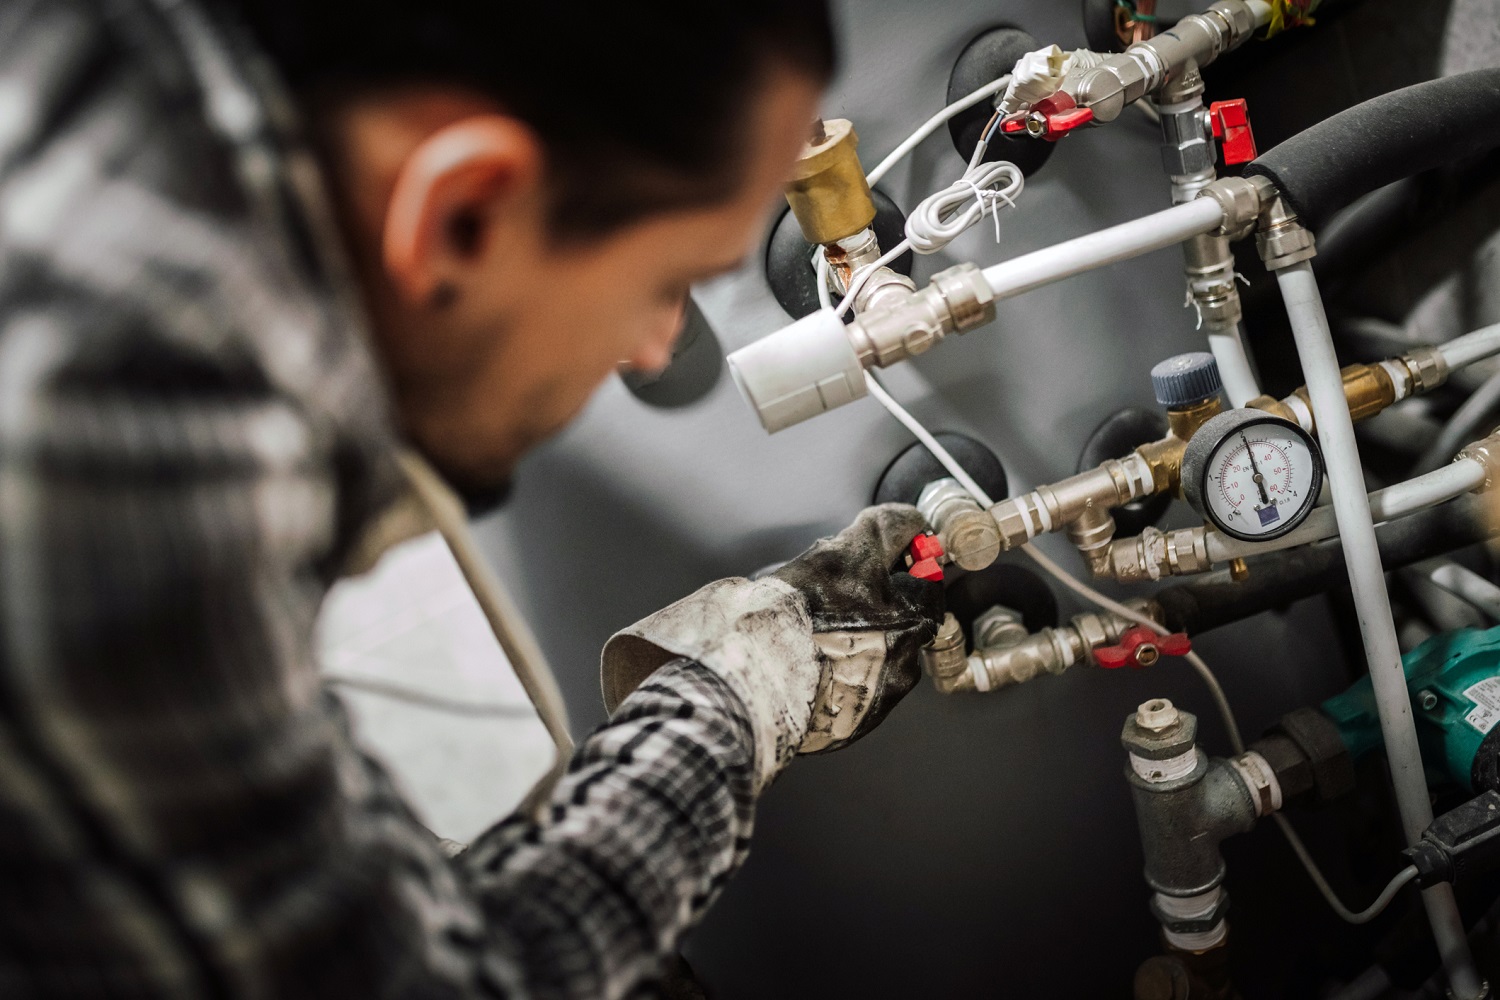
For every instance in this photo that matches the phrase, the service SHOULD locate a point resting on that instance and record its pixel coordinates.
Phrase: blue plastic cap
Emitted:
(1186, 379)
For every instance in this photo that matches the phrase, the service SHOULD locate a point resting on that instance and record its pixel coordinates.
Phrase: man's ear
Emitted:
(449, 193)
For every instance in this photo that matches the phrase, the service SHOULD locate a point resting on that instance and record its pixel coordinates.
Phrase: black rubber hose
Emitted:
(1417, 128)
(1279, 578)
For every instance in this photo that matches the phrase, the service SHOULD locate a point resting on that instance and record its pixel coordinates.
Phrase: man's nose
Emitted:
(656, 352)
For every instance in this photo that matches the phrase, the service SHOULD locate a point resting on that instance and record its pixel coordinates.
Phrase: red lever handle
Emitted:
(1141, 647)
(922, 558)
(1231, 124)
(1050, 118)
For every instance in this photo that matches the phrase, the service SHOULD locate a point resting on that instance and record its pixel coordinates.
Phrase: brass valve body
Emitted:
(1165, 456)
(828, 192)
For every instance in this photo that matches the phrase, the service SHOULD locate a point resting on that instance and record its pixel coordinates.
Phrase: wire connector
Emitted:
(1461, 843)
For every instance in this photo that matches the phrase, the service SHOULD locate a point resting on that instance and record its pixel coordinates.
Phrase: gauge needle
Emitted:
(1260, 481)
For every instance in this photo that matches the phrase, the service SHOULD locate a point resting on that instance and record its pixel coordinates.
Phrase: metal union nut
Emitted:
(1197, 924)
(1163, 744)
(998, 627)
(970, 299)
(944, 657)
(1012, 522)
(1285, 244)
(1428, 368)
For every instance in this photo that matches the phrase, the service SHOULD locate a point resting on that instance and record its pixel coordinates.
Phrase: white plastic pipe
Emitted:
(1429, 490)
(1107, 246)
(1460, 581)
(1471, 347)
(1228, 348)
(1261, 10)
(1325, 389)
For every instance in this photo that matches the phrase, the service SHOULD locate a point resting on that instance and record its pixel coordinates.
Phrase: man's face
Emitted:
(522, 328)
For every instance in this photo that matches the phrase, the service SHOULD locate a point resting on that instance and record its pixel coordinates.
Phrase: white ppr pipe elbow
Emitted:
(799, 371)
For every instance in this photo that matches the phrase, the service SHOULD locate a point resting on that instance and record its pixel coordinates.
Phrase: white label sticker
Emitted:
(1486, 698)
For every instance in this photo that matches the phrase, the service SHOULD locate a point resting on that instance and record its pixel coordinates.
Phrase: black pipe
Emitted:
(1279, 578)
(1324, 168)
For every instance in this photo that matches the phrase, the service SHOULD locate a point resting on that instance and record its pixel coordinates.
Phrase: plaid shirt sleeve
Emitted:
(191, 432)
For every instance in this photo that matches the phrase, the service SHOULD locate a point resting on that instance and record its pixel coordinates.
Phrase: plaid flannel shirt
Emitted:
(191, 433)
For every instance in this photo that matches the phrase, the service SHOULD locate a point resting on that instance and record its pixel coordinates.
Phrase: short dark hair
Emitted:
(639, 104)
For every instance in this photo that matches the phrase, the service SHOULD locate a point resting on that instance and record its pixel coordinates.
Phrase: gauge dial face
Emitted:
(1260, 479)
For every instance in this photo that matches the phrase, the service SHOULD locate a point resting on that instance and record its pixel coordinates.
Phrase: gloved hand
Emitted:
(819, 651)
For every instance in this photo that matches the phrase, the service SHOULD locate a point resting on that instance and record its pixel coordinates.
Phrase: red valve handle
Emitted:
(1231, 124)
(1051, 118)
(1141, 647)
(922, 558)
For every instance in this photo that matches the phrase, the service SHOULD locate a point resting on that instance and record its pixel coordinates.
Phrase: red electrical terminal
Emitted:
(922, 558)
(1231, 124)
(1141, 647)
(1050, 118)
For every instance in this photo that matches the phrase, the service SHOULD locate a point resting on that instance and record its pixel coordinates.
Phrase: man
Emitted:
(212, 347)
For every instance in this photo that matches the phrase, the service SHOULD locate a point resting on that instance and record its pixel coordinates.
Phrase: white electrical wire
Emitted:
(933, 124)
(942, 217)
(1221, 702)
(438, 703)
(1326, 891)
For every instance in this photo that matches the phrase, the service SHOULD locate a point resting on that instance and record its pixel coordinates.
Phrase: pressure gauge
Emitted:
(1253, 475)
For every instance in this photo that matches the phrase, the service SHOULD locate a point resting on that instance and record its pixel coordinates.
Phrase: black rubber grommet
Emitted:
(1004, 583)
(988, 56)
(789, 269)
(1119, 435)
(906, 476)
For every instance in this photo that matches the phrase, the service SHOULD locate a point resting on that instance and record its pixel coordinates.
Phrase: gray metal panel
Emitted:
(975, 845)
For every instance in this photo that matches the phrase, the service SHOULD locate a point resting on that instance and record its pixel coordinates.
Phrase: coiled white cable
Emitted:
(942, 217)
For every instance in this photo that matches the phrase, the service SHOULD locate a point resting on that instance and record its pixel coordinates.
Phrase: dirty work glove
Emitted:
(818, 651)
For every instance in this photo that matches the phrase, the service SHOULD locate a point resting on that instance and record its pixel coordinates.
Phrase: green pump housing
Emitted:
(1454, 681)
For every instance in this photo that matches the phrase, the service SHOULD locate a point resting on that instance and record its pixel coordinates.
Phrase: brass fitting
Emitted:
(1081, 504)
(1486, 452)
(944, 658)
(1165, 456)
(968, 533)
(828, 192)
(1278, 408)
(1281, 237)
(1209, 269)
(1367, 388)
(1051, 508)
(1241, 199)
(1091, 533)
(847, 255)
(957, 300)
(1049, 650)
(1427, 368)
(1155, 554)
